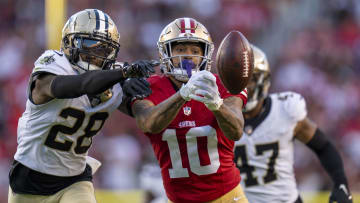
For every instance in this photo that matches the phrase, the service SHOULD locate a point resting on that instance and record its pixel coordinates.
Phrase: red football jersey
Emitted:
(195, 157)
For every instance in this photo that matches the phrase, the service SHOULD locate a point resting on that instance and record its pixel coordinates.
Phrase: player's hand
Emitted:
(206, 91)
(140, 68)
(189, 87)
(136, 88)
(340, 194)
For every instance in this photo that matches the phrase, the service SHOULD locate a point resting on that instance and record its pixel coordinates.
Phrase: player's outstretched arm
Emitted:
(230, 118)
(48, 86)
(307, 132)
(154, 119)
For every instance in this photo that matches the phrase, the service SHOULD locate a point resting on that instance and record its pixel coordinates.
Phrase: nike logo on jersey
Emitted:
(237, 198)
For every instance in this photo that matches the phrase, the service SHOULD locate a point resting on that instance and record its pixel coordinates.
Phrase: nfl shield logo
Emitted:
(187, 110)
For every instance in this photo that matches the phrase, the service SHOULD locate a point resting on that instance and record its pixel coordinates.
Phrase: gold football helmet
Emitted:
(258, 87)
(90, 40)
(179, 31)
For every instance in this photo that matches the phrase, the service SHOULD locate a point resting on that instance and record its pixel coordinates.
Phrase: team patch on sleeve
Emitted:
(47, 60)
(51, 62)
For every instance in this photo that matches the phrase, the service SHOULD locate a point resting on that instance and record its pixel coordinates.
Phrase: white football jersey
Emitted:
(54, 138)
(265, 152)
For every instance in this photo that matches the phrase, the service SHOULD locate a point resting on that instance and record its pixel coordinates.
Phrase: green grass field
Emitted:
(136, 196)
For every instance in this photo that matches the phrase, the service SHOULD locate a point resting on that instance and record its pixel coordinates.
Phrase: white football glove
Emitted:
(189, 87)
(206, 91)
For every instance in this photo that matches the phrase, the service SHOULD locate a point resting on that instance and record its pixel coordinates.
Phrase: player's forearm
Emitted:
(91, 82)
(157, 118)
(329, 157)
(230, 121)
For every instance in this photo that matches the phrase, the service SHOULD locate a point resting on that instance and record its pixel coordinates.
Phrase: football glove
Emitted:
(206, 91)
(188, 88)
(140, 68)
(136, 88)
(340, 194)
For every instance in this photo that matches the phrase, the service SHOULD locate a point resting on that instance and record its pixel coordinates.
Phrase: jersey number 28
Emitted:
(89, 132)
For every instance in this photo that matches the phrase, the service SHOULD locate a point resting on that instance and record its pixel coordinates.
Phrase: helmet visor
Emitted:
(95, 51)
(96, 47)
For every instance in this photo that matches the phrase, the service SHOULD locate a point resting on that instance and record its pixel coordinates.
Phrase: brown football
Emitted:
(235, 62)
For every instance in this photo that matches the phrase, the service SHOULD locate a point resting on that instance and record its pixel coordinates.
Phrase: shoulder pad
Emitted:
(293, 104)
(53, 62)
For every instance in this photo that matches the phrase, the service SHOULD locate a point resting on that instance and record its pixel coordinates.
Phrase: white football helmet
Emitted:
(258, 87)
(90, 40)
(179, 31)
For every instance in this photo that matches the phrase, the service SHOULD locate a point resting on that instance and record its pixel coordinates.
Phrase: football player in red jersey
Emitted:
(191, 120)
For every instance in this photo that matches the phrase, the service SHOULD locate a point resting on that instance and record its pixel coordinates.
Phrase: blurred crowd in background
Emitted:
(313, 48)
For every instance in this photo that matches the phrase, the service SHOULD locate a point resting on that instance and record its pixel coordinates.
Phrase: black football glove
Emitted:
(136, 88)
(140, 68)
(340, 194)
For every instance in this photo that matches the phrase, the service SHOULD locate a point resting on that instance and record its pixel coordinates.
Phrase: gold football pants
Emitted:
(236, 195)
(80, 192)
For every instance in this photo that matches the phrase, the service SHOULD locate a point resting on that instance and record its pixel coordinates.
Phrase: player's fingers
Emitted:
(154, 63)
(144, 82)
(143, 69)
(198, 98)
(203, 93)
(150, 69)
(204, 86)
(210, 77)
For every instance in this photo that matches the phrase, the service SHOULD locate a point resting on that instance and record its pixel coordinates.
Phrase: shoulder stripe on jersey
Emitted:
(97, 19)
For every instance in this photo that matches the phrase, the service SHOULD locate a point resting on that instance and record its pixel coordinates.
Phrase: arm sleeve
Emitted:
(91, 83)
(329, 157)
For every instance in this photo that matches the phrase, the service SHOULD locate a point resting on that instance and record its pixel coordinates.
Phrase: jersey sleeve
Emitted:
(158, 94)
(50, 62)
(294, 106)
(224, 93)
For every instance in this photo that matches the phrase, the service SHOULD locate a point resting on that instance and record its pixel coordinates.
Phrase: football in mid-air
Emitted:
(235, 62)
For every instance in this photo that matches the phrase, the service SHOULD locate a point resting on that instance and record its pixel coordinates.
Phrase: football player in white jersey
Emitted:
(71, 93)
(264, 155)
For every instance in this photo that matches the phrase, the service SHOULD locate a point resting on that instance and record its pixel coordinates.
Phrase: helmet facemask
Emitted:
(181, 67)
(258, 89)
(259, 84)
(92, 53)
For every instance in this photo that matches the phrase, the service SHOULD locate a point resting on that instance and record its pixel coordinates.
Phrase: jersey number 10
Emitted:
(177, 170)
